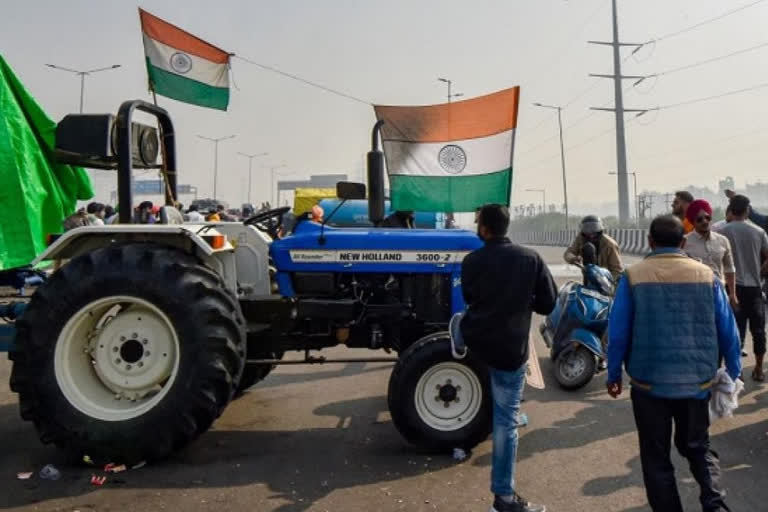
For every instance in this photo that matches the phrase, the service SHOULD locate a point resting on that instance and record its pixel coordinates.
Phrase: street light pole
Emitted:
(562, 154)
(449, 82)
(272, 169)
(543, 193)
(82, 77)
(637, 206)
(250, 170)
(216, 158)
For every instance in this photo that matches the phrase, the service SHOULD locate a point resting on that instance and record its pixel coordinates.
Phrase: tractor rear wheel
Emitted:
(128, 353)
(437, 402)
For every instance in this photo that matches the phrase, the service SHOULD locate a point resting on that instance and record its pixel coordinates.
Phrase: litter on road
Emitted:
(49, 472)
(98, 480)
(114, 468)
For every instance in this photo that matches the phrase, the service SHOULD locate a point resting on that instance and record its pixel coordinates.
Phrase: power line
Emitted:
(702, 23)
(709, 98)
(706, 61)
(577, 122)
(709, 144)
(576, 33)
(304, 81)
(578, 145)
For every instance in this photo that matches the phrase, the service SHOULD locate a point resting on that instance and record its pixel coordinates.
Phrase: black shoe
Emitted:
(743, 353)
(518, 505)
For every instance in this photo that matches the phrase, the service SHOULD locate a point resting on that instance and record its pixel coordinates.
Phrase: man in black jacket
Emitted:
(503, 283)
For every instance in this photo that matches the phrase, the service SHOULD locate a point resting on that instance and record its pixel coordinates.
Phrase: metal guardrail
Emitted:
(631, 241)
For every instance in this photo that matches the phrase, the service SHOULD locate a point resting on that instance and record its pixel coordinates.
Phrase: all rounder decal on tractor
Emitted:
(108, 362)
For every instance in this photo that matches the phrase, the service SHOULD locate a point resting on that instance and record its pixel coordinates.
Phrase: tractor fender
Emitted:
(197, 240)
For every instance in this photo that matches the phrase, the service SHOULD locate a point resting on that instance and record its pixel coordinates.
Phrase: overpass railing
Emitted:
(631, 241)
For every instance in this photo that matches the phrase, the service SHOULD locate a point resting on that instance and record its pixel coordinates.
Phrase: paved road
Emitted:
(320, 439)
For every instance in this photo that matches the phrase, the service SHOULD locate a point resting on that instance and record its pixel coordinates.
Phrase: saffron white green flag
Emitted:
(453, 157)
(182, 66)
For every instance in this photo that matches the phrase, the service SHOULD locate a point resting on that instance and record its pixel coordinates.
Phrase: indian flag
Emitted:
(182, 66)
(453, 157)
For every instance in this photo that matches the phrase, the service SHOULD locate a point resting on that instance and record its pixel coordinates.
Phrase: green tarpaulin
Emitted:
(36, 193)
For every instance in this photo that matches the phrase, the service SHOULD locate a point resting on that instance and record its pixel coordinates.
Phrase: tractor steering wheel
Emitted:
(269, 221)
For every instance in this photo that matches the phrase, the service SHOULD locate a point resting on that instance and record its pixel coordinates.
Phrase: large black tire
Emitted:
(203, 316)
(573, 370)
(423, 367)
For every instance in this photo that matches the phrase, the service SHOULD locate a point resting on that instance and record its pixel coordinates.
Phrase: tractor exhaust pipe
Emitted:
(376, 177)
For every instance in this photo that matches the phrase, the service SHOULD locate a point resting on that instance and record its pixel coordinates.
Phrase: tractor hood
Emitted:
(372, 249)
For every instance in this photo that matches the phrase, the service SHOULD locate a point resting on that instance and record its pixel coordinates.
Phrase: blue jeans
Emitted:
(507, 391)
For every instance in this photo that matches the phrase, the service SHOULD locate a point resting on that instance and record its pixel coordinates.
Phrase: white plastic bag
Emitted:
(725, 396)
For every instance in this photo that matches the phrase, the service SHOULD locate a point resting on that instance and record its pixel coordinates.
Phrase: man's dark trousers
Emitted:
(751, 309)
(654, 418)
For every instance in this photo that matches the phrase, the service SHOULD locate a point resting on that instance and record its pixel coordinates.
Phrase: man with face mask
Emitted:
(503, 283)
(608, 253)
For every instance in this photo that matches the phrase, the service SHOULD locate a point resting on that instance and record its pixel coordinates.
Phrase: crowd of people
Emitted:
(146, 212)
(677, 326)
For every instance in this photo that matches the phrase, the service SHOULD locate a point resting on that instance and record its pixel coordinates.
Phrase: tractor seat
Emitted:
(170, 215)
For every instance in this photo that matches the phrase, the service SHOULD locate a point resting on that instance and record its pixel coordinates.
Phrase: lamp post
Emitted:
(216, 157)
(637, 206)
(272, 169)
(82, 75)
(250, 169)
(450, 96)
(543, 193)
(562, 154)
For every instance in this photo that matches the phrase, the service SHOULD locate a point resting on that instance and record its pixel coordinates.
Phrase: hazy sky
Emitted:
(392, 52)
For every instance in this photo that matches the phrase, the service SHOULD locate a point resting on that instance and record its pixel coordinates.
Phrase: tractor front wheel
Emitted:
(437, 402)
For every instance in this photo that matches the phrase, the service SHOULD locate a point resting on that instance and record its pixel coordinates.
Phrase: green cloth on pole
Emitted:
(36, 192)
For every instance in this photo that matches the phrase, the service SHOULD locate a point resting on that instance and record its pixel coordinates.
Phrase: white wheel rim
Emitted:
(448, 396)
(116, 358)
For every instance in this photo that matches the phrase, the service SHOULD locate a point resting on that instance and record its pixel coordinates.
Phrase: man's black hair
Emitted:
(94, 207)
(495, 218)
(146, 205)
(739, 205)
(109, 210)
(667, 231)
(193, 207)
(684, 195)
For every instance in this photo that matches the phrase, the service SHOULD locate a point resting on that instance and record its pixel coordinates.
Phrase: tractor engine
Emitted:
(370, 310)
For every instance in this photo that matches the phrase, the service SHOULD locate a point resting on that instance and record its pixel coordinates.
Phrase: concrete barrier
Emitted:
(631, 241)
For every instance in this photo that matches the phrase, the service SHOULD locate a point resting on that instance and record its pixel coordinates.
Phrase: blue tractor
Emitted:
(144, 335)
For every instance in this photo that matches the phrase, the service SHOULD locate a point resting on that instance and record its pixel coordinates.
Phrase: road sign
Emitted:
(154, 187)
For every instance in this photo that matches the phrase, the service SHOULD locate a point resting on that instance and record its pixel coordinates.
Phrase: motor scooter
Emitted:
(575, 328)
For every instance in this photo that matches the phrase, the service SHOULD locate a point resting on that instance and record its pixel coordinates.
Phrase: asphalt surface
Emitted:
(320, 439)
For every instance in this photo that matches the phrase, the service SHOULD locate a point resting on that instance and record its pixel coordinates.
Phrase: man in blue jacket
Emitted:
(669, 322)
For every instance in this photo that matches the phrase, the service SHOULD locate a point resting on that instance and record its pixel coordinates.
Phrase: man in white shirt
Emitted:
(709, 247)
(193, 215)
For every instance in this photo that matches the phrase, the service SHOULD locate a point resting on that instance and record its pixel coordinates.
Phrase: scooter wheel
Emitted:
(575, 369)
